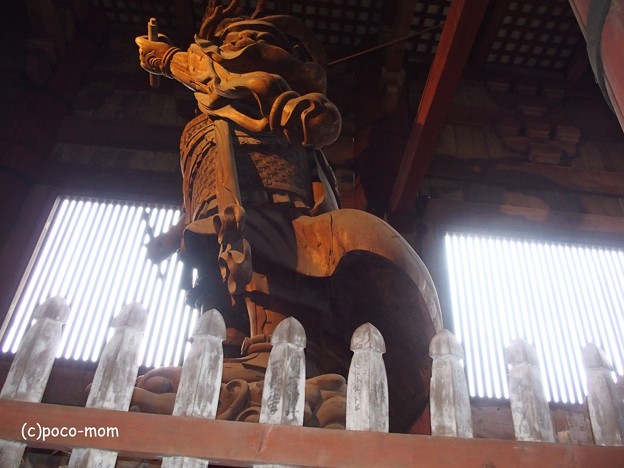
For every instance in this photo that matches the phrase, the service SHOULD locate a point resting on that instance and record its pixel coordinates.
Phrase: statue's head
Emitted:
(264, 72)
(223, 24)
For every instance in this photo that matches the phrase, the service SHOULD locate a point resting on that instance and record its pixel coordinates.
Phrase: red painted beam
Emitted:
(141, 435)
(458, 35)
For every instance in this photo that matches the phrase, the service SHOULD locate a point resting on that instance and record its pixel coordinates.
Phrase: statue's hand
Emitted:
(310, 120)
(160, 248)
(164, 245)
(151, 53)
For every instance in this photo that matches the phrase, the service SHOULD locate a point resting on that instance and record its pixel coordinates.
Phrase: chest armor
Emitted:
(269, 168)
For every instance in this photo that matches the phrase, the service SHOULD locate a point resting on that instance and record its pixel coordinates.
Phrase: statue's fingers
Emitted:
(142, 41)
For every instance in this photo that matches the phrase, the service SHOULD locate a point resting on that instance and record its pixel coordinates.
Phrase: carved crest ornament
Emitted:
(263, 227)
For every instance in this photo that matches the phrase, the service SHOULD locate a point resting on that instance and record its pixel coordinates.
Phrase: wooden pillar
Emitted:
(367, 385)
(606, 409)
(30, 370)
(114, 378)
(200, 382)
(529, 408)
(450, 402)
(460, 29)
(602, 24)
(283, 395)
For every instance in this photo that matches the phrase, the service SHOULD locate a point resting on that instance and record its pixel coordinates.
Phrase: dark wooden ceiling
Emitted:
(398, 61)
(528, 34)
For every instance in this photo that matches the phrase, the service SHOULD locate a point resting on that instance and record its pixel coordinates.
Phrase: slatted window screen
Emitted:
(557, 296)
(93, 255)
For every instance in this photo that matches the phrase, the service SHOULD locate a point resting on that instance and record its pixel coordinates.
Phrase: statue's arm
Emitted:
(163, 58)
(310, 120)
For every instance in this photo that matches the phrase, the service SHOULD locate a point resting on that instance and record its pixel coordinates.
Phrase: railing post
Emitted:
(529, 408)
(450, 402)
(32, 364)
(606, 409)
(200, 382)
(283, 395)
(367, 385)
(114, 378)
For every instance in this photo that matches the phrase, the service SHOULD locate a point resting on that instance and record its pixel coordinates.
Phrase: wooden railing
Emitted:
(192, 437)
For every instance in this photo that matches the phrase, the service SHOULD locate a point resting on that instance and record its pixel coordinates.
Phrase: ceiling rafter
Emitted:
(484, 43)
(458, 35)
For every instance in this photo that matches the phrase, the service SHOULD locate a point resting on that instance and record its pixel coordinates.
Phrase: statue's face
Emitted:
(253, 46)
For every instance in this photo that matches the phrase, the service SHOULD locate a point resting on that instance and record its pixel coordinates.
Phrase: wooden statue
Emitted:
(262, 223)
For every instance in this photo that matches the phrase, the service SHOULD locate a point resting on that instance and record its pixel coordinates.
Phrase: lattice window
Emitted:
(92, 254)
(557, 296)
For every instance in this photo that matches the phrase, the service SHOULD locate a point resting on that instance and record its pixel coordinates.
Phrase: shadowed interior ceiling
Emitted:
(385, 61)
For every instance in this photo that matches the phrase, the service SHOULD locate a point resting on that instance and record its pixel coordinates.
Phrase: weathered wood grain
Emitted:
(529, 408)
(449, 399)
(606, 408)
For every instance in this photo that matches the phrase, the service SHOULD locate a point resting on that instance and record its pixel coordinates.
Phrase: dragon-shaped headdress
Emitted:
(291, 33)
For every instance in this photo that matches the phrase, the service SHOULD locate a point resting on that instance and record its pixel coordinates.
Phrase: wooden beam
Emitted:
(483, 44)
(603, 130)
(142, 435)
(393, 73)
(401, 25)
(519, 174)
(460, 29)
(46, 23)
(99, 181)
(518, 220)
(129, 135)
(578, 64)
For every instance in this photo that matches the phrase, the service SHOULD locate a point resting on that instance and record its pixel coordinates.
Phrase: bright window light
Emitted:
(92, 253)
(559, 297)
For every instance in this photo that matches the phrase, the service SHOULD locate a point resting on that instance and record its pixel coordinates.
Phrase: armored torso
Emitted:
(269, 168)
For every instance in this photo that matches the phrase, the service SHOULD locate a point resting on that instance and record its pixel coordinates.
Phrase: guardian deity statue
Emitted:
(262, 223)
